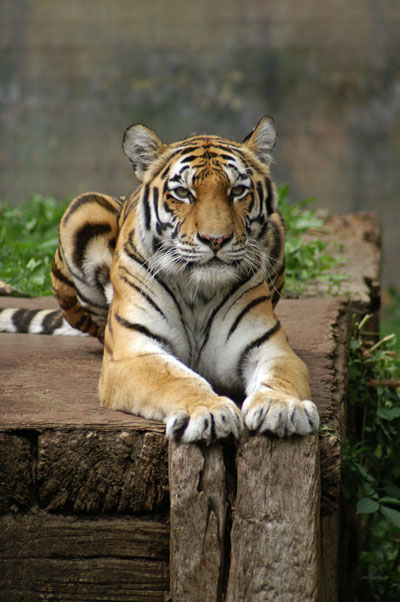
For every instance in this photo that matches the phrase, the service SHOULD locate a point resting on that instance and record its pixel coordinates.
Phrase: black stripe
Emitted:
(165, 173)
(251, 204)
(146, 206)
(130, 250)
(145, 295)
(167, 208)
(155, 200)
(60, 276)
(52, 321)
(102, 277)
(244, 311)
(143, 330)
(187, 149)
(231, 292)
(189, 158)
(91, 198)
(270, 196)
(140, 261)
(83, 324)
(160, 225)
(260, 191)
(171, 294)
(256, 343)
(263, 230)
(277, 246)
(277, 295)
(82, 238)
(241, 295)
(22, 318)
(155, 244)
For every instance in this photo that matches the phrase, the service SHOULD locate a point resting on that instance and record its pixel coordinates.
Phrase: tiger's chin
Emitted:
(213, 276)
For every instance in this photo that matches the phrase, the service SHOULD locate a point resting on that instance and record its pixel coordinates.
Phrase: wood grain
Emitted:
(275, 533)
(45, 557)
(198, 521)
(100, 471)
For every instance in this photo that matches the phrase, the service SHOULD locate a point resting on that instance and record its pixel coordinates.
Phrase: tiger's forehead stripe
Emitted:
(230, 166)
(225, 158)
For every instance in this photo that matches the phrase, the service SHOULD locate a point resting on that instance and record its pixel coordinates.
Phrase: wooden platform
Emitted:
(84, 495)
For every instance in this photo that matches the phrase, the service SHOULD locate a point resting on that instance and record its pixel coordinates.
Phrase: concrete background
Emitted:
(74, 75)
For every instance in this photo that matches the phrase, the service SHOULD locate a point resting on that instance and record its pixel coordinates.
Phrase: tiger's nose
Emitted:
(215, 242)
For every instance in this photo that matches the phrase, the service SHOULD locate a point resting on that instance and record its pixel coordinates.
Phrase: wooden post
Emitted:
(198, 521)
(275, 537)
(275, 533)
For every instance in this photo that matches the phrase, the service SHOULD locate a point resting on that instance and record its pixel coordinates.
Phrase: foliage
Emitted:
(371, 467)
(28, 240)
(391, 313)
(306, 260)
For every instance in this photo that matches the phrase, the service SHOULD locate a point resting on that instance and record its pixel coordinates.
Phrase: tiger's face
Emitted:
(205, 203)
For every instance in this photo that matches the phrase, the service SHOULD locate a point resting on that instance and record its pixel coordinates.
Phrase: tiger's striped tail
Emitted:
(36, 321)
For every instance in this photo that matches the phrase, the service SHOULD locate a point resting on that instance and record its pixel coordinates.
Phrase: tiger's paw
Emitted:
(281, 416)
(206, 423)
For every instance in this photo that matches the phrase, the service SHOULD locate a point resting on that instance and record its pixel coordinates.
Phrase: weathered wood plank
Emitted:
(357, 238)
(16, 472)
(103, 472)
(198, 521)
(275, 532)
(45, 557)
(52, 382)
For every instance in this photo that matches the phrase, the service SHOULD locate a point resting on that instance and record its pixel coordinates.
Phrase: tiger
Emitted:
(179, 281)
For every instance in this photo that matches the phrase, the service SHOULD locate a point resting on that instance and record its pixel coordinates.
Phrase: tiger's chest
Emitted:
(212, 337)
(207, 351)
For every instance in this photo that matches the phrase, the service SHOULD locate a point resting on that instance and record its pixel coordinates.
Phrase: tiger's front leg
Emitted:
(140, 376)
(277, 388)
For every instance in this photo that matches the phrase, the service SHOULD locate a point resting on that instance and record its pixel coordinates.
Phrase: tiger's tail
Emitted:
(36, 321)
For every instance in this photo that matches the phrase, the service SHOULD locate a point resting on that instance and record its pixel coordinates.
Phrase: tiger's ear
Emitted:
(262, 139)
(142, 146)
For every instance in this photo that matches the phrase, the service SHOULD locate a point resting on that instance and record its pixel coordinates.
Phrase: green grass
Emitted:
(306, 260)
(28, 240)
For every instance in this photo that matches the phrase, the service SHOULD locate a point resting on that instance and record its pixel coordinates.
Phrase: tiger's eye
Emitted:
(238, 190)
(182, 192)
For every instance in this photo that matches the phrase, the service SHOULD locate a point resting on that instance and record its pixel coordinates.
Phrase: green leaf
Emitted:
(392, 515)
(367, 506)
(390, 500)
(388, 413)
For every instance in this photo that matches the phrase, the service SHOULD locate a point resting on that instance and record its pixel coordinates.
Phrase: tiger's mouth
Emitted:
(215, 262)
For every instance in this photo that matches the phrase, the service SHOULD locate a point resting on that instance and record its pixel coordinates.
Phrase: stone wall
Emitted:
(74, 74)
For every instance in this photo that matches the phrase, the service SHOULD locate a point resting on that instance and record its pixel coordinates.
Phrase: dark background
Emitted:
(74, 75)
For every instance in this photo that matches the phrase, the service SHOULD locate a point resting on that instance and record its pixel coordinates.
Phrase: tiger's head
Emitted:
(205, 203)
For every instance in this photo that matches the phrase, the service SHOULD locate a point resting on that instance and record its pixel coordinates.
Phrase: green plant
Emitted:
(28, 240)
(306, 260)
(371, 467)
(391, 313)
